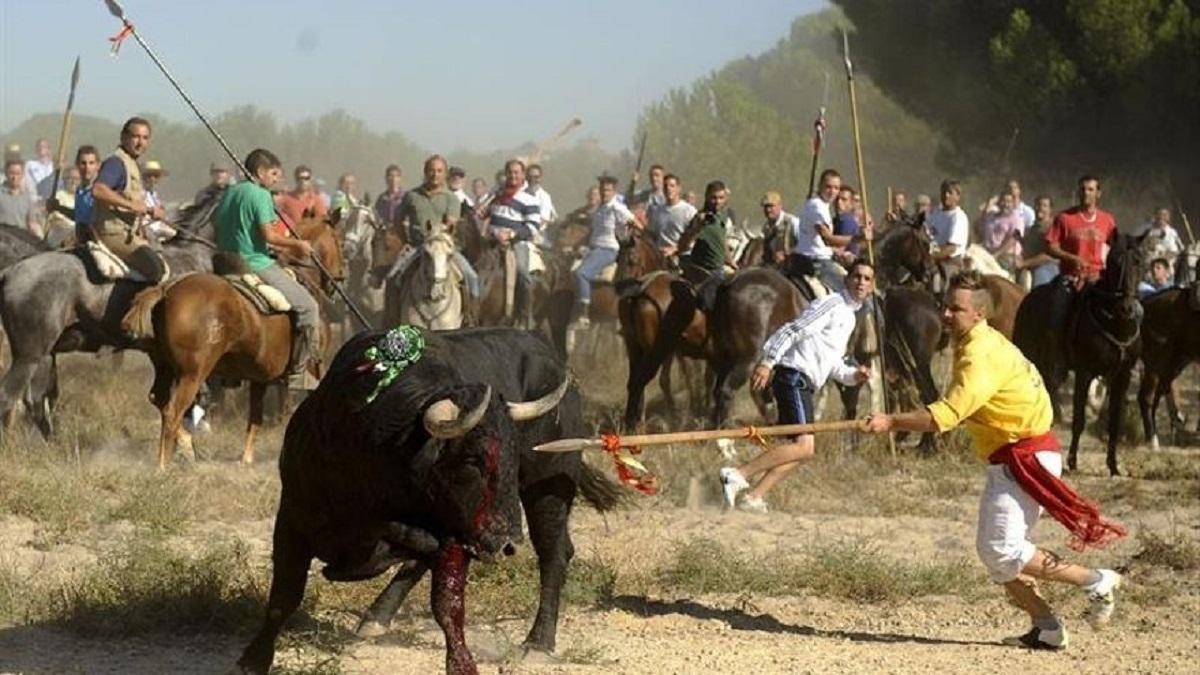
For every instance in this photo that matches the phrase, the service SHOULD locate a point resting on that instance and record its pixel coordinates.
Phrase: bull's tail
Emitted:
(138, 322)
(600, 491)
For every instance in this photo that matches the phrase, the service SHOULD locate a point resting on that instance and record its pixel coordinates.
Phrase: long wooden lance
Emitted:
(641, 440)
(66, 129)
(128, 29)
(862, 189)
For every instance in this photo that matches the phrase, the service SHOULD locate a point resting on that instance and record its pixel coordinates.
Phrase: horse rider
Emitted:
(120, 209)
(610, 223)
(302, 200)
(705, 264)
(432, 204)
(514, 219)
(247, 225)
(950, 229)
(812, 254)
(87, 160)
(668, 220)
(1000, 398)
(533, 176)
(779, 228)
(797, 360)
(1078, 240)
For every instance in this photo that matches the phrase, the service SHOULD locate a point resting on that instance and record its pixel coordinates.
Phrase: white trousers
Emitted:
(1007, 514)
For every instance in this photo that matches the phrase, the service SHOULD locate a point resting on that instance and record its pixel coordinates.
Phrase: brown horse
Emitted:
(1171, 341)
(200, 326)
(654, 333)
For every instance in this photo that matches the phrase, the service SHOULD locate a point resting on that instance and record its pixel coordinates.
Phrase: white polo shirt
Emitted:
(949, 227)
(808, 241)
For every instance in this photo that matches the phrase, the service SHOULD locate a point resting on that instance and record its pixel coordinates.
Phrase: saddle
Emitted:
(110, 268)
(265, 299)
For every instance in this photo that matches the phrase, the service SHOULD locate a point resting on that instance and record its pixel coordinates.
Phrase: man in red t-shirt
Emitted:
(301, 201)
(1079, 235)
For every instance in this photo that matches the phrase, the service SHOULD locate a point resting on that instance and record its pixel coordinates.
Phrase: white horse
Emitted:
(430, 292)
(359, 227)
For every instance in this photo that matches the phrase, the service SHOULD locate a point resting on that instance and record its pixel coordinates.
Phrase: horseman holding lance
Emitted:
(120, 211)
(429, 207)
(247, 225)
(1001, 399)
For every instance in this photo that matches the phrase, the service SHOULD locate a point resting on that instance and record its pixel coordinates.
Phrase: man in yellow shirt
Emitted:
(1000, 398)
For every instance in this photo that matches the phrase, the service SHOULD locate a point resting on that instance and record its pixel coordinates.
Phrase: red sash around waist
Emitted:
(1081, 517)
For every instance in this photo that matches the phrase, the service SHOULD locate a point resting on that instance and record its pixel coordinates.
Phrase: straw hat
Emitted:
(153, 167)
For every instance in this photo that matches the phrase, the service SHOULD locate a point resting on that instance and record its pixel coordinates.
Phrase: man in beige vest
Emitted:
(119, 214)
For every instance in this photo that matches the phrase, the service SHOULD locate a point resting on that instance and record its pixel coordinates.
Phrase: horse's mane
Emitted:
(194, 216)
(23, 236)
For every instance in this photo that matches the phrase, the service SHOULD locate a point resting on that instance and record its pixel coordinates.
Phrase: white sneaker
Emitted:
(1102, 598)
(753, 505)
(728, 448)
(732, 482)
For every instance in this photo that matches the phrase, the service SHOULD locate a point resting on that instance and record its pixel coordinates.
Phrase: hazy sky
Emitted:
(482, 75)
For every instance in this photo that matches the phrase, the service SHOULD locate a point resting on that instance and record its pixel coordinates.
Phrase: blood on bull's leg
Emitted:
(449, 606)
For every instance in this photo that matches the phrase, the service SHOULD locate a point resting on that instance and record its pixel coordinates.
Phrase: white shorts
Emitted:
(1007, 514)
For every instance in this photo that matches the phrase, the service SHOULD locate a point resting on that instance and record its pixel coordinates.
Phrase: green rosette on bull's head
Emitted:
(392, 353)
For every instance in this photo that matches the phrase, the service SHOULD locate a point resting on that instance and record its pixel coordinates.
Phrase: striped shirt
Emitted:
(815, 342)
(521, 214)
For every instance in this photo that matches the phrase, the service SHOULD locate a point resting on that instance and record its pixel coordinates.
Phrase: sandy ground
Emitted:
(645, 632)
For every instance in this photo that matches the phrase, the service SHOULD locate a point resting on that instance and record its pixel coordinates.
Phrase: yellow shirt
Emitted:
(995, 391)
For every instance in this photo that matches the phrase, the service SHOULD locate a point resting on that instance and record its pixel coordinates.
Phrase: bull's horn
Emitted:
(529, 410)
(444, 419)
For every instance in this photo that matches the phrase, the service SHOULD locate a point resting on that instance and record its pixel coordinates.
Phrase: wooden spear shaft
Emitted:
(862, 188)
(577, 444)
(65, 132)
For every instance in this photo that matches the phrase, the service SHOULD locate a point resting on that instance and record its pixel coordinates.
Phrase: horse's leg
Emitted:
(722, 394)
(258, 390)
(1079, 413)
(664, 382)
(14, 384)
(1147, 398)
(1118, 385)
(183, 390)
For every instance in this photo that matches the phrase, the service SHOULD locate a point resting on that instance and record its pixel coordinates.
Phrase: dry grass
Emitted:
(854, 570)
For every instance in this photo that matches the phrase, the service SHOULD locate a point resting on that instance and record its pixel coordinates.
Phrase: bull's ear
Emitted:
(335, 217)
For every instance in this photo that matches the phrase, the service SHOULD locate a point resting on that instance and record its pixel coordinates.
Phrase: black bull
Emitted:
(364, 487)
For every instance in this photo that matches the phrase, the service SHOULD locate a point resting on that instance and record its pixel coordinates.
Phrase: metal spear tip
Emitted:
(567, 445)
(846, 53)
(75, 73)
(115, 9)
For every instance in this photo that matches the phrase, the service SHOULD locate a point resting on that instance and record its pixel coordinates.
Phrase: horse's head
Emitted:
(435, 264)
(1123, 270)
(904, 256)
(637, 257)
(358, 225)
(322, 236)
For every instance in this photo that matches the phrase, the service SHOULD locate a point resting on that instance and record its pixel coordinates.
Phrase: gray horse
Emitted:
(51, 303)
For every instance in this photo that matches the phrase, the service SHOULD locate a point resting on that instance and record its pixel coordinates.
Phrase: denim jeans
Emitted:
(593, 263)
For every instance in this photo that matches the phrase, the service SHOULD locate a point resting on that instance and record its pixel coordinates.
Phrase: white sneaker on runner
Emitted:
(1102, 598)
(732, 482)
(753, 505)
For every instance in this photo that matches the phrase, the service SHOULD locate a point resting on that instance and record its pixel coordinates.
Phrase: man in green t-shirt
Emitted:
(247, 225)
(706, 236)
(430, 206)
